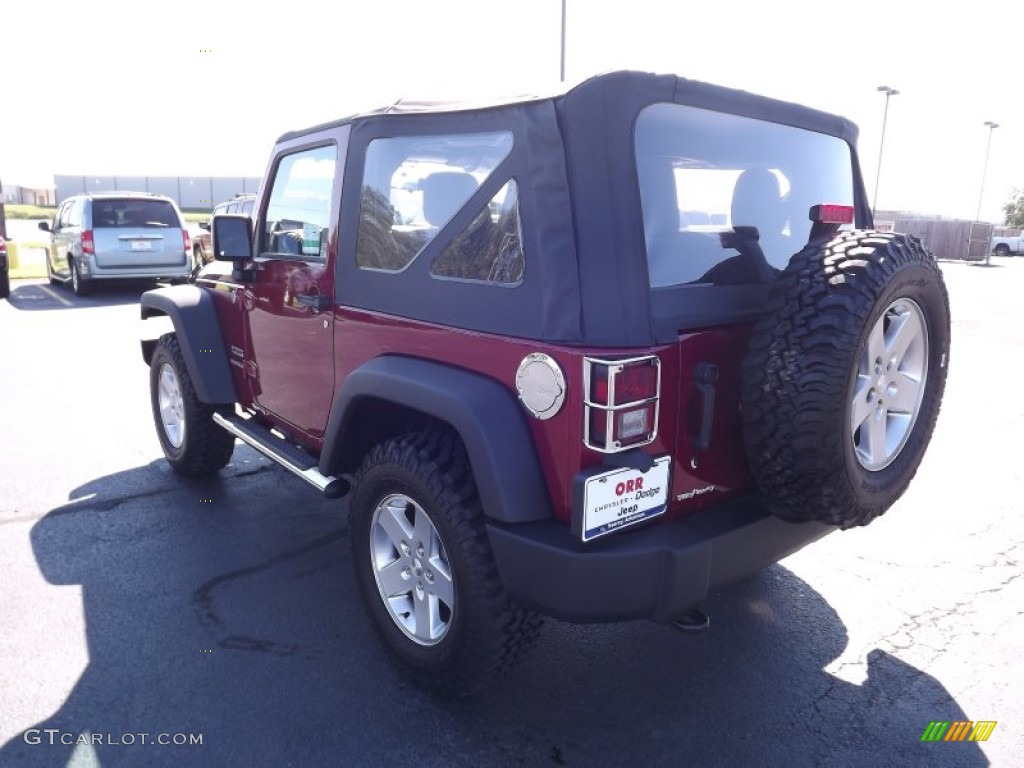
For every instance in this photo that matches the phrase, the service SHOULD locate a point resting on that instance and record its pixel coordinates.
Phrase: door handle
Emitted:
(704, 377)
(314, 301)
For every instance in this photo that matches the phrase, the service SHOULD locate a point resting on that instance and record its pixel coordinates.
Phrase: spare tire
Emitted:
(844, 377)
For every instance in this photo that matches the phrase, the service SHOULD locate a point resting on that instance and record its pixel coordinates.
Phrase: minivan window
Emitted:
(133, 213)
(74, 213)
(721, 192)
(60, 219)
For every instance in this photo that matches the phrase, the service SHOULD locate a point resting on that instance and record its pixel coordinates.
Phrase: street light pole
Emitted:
(984, 172)
(885, 117)
(562, 71)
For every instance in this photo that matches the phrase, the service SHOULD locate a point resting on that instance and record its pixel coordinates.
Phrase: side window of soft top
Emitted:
(299, 208)
(413, 186)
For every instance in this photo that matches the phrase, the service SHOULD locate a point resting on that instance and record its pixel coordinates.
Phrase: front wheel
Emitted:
(844, 378)
(425, 569)
(193, 444)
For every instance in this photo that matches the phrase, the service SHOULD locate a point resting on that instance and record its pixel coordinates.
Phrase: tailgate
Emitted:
(709, 465)
(139, 247)
(137, 232)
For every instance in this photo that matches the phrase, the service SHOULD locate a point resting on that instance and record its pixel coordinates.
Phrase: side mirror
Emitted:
(232, 237)
(204, 225)
(45, 226)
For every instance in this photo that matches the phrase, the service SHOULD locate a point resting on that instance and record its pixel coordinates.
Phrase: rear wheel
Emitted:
(198, 258)
(5, 283)
(81, 286)
(425, 569)
(1002, 250)
(844, 378)
(193, 444)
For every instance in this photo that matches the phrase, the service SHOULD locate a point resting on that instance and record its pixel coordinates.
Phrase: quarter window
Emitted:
(413, 186)
(490, 249)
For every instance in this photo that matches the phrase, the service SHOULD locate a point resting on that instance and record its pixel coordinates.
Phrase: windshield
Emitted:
(725, 198)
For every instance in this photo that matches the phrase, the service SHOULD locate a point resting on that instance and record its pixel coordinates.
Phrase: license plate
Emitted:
(623, 497)
(142, 245)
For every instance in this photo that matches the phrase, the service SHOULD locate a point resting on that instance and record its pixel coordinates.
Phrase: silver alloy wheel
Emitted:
(892, 371)
(172, 406)
(75, 278)
(411, 569)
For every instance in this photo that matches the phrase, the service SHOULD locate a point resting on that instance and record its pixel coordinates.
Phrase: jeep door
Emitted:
(289, 301)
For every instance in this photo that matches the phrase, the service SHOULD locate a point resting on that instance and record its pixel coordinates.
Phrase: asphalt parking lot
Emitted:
(136, 603)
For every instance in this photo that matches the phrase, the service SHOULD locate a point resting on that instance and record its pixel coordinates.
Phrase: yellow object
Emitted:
(26, 259)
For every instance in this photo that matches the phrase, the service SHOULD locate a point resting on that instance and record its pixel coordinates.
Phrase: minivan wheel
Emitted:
(424, 566)
(192, 443)
(79, 285)
(844, 377)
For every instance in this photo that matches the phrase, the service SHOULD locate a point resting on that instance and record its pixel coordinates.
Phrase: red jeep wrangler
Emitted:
(588, 356)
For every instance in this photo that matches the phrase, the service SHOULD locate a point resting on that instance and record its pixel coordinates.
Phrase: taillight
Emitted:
(621, 407)
(186, 241)
(828, 219)
(832, 214)
(88, 246)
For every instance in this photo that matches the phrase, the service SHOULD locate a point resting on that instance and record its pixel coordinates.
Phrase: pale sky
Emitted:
(204, 88)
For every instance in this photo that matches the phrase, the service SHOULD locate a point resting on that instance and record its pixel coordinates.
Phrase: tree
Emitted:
(1014, 209)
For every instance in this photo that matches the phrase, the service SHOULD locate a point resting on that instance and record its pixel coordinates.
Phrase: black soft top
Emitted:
(586, 279)
(618, 90)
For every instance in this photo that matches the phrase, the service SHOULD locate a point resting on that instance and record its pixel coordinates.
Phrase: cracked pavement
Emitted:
(131, 606)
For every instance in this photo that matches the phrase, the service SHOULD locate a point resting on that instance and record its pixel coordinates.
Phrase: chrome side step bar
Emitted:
(289, 456)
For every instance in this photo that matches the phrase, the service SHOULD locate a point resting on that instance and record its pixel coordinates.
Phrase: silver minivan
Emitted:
(116, 236)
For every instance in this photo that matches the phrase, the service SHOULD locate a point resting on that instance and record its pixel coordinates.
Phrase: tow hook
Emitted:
(693, 620)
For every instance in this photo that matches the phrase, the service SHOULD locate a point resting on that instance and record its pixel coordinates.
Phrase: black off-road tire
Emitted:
(205, 447)
(801, 370)
(487, 632)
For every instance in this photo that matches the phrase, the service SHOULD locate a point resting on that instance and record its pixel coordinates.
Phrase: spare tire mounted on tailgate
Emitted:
(844, 377)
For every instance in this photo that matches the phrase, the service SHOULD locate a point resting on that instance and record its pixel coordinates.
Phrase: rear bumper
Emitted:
(656, 573)
(137, 272)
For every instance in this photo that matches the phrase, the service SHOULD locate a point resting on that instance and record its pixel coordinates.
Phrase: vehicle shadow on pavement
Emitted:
(37, 297)
(226, 608)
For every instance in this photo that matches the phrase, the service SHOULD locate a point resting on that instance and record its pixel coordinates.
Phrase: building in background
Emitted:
(190, 192)
(16, 195)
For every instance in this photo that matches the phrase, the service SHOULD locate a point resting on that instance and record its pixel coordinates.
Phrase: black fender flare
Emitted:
(485, 414)
(194, 316)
